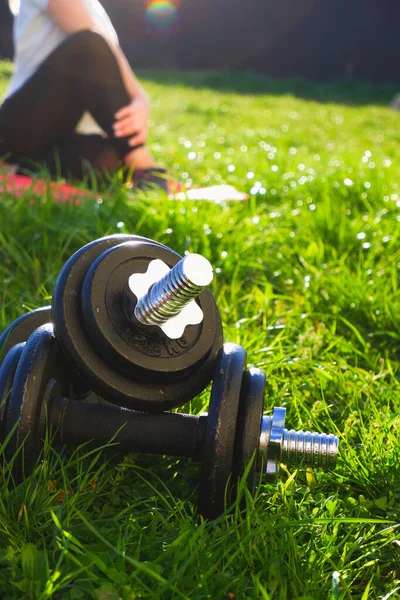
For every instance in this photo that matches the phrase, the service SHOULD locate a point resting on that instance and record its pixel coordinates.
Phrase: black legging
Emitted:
(37, 123)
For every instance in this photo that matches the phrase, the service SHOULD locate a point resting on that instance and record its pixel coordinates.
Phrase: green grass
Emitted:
(307, 279)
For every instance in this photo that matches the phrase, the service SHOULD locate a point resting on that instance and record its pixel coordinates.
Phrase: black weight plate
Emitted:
(143, 351)
(66, 301)
(217, 462)
(150, 396)
(248, 426)
(7, 373)
(40, 369)
(21, 329)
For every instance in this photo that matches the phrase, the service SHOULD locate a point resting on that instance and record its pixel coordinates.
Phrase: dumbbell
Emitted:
(231, 437)
(136, 323)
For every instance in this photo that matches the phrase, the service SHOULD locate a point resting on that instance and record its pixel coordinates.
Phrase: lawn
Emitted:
(307, 280)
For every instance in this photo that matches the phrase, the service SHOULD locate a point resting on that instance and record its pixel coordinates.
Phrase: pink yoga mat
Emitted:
(63, 192)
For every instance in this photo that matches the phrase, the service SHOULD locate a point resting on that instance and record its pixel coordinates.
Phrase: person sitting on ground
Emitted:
(73, 104)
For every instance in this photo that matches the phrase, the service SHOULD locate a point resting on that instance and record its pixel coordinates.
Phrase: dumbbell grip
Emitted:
(167, 433)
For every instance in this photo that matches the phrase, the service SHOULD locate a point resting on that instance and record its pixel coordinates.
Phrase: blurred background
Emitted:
(317, 39)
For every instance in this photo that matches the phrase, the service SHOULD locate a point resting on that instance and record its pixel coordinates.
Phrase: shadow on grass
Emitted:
(354, 93)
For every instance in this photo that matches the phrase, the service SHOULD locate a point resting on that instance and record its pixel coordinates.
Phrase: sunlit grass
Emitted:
(307, 279)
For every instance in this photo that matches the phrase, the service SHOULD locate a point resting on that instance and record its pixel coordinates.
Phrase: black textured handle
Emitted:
(167, 433)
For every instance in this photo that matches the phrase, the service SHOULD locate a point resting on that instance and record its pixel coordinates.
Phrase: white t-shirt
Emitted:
(36, 36)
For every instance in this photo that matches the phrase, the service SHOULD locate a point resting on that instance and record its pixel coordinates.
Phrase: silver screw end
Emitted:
(166, 296)
(197, 270)
(309, 449)
(293, 448)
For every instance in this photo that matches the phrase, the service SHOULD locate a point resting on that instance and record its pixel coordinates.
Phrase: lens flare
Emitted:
(161, 14)
(14, 6)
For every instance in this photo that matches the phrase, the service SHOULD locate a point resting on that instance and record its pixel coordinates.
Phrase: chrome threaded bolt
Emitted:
(166, 297)
(182, 284)
(297, 448)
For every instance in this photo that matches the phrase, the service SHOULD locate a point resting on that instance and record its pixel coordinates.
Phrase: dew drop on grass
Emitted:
(250, 175)
(120, 225)
(366, 245)
(348, 182)
(361, 235)
(231, 168)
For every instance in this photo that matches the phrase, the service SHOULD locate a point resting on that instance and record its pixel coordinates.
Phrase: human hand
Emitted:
(133, 120)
